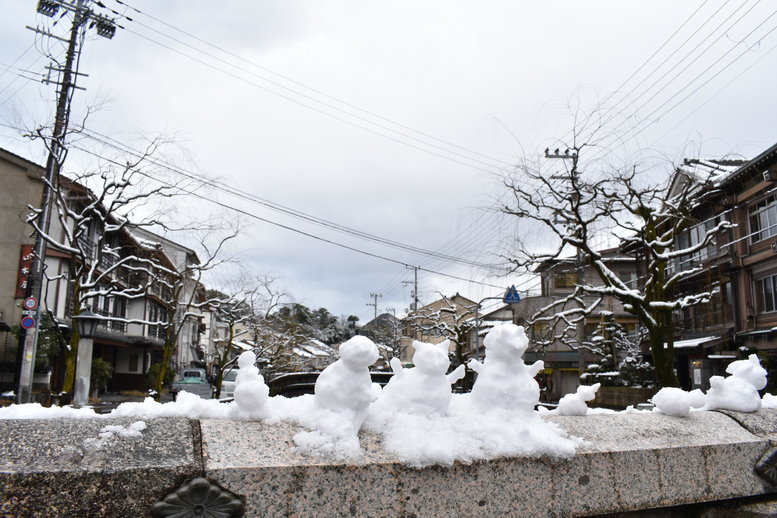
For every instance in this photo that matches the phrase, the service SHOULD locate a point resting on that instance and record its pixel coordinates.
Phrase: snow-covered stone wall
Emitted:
(127, 466)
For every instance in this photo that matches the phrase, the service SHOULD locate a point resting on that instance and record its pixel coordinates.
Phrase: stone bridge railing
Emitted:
(631, 462)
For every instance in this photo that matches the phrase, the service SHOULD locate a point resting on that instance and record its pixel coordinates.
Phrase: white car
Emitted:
(228, 384)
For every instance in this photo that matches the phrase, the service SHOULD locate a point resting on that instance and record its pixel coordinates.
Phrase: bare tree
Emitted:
(230, 310)
(90, 227)
(579, 211)
(185, 293)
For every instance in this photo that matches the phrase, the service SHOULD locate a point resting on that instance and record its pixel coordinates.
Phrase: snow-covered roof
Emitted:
(713, 169)
(693, 342)
(314, 349)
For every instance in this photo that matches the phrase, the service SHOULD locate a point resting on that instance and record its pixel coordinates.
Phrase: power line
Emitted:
(297, 83)
(655, 53)
(471, 162)
(280, 225)
(644, 123)
(283, 209)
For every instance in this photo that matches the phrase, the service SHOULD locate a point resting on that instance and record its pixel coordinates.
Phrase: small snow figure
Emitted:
(252, 395)
(426, 388)
(574, 404)
(504, 380)
(346, 386)
(677, 402)
(738, 392)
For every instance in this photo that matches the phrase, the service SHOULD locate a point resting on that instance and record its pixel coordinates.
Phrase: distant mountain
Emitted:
(386, 321)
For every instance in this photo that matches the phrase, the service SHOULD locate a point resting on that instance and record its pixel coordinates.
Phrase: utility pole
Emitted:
(573, 176)
(56, 148)
(414, 293)
(374, 303)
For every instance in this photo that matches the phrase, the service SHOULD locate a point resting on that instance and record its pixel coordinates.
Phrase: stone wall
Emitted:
(621, 397)
(629, 462)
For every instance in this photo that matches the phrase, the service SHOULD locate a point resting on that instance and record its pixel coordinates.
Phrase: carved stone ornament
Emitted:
(199, 498)
(766, 467)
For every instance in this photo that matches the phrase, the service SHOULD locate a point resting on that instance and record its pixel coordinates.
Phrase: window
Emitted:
(692, 237)
(767, 293)
(133, 363)
(763, 219)
(629, 279)
(157, 313)
(565, 279)
(119, 311)
(540, 331)
(195, 332)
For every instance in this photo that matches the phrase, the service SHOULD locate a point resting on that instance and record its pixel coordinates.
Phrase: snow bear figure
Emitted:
(345, 386)
(574, 404)
(426, 388)
(252, 395)
(504, 380)
(738, 392)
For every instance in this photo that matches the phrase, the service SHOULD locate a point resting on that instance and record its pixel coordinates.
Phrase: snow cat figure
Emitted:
(426, 388)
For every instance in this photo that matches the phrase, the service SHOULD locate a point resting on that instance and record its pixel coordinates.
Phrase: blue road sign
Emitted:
(511, 296)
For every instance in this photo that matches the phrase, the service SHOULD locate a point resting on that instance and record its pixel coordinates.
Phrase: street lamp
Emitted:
(86, 323)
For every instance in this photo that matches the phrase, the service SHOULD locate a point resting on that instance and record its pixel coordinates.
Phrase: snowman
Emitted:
(345, 387)
(426, 388)
(252, 395)
(504, 381)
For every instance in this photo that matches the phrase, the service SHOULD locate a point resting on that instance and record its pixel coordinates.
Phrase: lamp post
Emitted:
(86, 323)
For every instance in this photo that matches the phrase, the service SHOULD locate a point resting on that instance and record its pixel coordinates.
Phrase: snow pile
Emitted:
(575, 404)
(107, 433)
(677, 402)
(38, 411)
(186, 405)
(252, 395)
(769, 401)
(132, 431)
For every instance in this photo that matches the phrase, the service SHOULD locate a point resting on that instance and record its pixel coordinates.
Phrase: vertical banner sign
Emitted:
(25, 266)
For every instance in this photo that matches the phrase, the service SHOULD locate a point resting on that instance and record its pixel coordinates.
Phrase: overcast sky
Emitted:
(396, 119)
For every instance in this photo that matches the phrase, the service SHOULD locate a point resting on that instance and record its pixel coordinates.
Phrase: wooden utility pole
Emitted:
(56, 157)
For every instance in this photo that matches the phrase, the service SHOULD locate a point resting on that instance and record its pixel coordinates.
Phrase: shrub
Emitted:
(101, 374)
(153, 372)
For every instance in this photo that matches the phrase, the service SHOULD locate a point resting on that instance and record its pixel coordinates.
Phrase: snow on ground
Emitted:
(418, 418)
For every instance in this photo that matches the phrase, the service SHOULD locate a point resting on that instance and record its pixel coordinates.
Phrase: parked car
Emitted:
(194, 381)
(228, 384)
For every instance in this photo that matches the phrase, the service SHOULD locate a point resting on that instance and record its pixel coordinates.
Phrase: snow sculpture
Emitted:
(426, 388)
(677, 402)
(252, 395)
(504, 380)
(574, 403)
(738, 392)
(345, 386)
